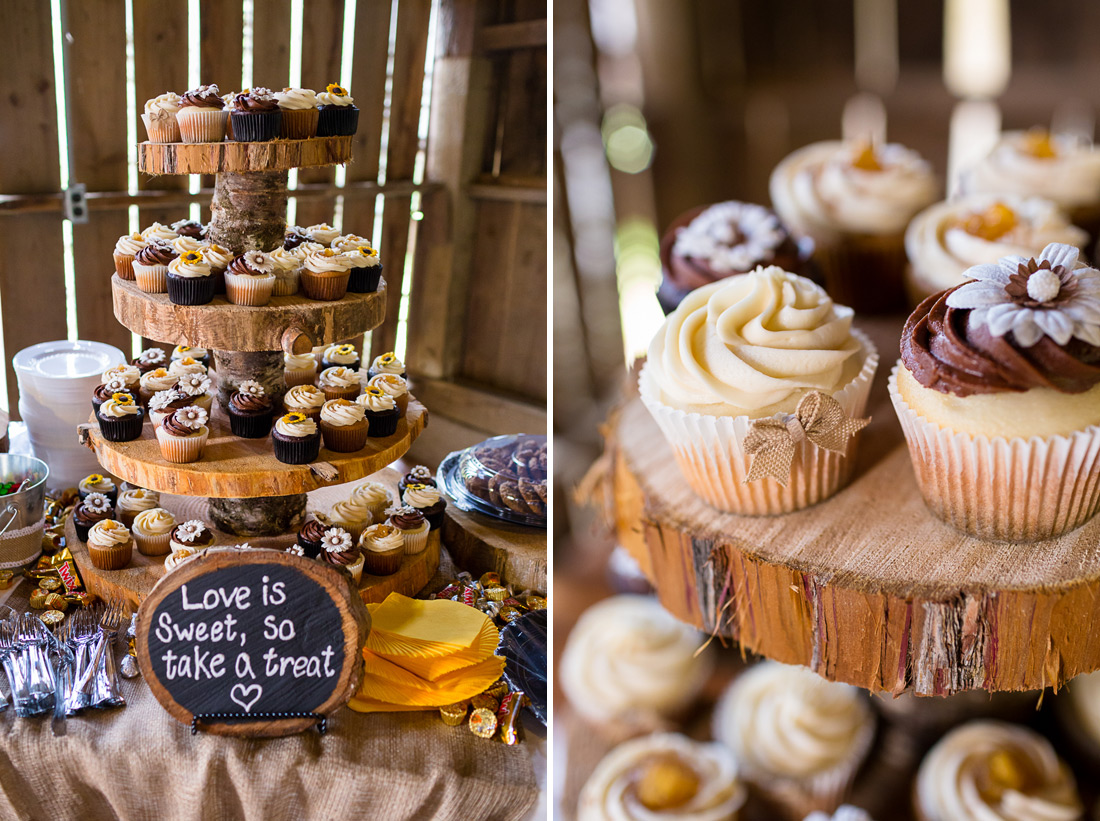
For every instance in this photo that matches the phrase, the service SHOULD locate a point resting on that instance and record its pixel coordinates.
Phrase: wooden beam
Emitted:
(516, 189)
(484, 410)
(511, 36)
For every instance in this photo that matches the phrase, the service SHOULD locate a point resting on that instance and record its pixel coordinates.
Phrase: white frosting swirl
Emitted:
(113, 409)
(421, 496)
(341, 412)
(627, 659)
(184, 243)
(184, 351)
(298, 429)
(283, 260)
(731, 236)
(341, 354)
(371, 493)
(753, 344)
(322, 232)
(108, 533)
(387, 363)
(376, 402)
(138, 499)
(363, 258)
(390, 384)
(352, 511)
(338, 377)
(788, 722)
(304, 398)
(104, 484)
(157, 380)
(845, 812)
(348, 242)
(305, 249)
(129, 244)
(158, 231)
(186, 365)
(299, 362)
(964, 776)
(216, 256)
(191, 270)
(155, 521)
(329, 98)
(163, 106)
(127, 373)
(381, 538)
(818, 191)
(296, 99)
(327, 261)
(612, 790)
(1070, 178)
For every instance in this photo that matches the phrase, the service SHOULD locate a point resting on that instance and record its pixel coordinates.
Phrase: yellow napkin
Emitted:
(434, 627)
(432, 667)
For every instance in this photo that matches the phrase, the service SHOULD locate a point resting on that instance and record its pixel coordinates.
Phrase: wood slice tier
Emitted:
(867, 587)
(134, 582)
(481, 543)
(234, 157)
(237, 468)
(223, 326)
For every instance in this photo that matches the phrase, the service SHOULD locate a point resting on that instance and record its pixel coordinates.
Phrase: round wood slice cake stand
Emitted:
(867, 587)
(134, 582)
(481, 544)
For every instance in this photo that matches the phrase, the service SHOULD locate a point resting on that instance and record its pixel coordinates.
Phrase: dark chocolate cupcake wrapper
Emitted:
(122, 429)
(435, 518)
(82, 530)
(219, 282)
(296, 451)
(312, 549)
(382, 423)
(255, 126)
(190, 290)
(351, 366)
(337, 121)
(250, 426)
(365, 280)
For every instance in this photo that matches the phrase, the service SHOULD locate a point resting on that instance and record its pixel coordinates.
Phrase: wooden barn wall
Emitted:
(503, 273)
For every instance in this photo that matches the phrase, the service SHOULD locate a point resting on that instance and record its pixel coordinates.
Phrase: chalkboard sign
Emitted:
(240, 638)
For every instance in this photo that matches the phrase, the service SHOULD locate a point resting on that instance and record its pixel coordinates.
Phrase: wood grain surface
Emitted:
(212, 158)
(481, 543)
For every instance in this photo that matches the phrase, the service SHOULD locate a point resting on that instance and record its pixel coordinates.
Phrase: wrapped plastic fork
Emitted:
(81, 639)
(32, 642)
(12, 664)
(65, 660)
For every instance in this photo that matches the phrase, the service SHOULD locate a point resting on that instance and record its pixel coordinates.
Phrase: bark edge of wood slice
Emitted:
(221, 325)
(234, 157)
(481, 544)
(868, 587)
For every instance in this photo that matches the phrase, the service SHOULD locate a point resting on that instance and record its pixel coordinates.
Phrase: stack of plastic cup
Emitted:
(56, 380)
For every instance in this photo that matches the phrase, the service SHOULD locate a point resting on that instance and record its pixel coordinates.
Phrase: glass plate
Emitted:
(499, 477)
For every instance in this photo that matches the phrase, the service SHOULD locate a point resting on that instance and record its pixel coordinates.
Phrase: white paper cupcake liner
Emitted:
(164, 130)
(415, 542)
(286, 282)
(249, 290)
(180, 449)
(202, 125)
(300, 376)
(152, 544)
(1017, 490)
(153, 279)
(710, 451)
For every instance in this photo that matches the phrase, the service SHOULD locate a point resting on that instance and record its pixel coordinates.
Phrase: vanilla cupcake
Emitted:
(743, 359)
(304, 399)
(413, 527)
(299, 369)
(325, 275)
(387, 363)
(182, 434)
(629, 665)
(393, 386)
(992, 770)
(300, 113)
(288, 270)
(129, 375)
(854, 200)
(109, 545)
(664, 775)
(133, 502)
(159, 116)
(998, 394)
(797, 738)
(339, 382)
(218, 259)
(322, 233)
(186, 365)
(250, 279)
(160, 232)
(343, 426)
(1036, 163)
(304, 246)
(943, 241)
(348, 242)
(126, 248)
(155, 381)
(186, 244)
(152, 530)
(376, 496)
(352, 514)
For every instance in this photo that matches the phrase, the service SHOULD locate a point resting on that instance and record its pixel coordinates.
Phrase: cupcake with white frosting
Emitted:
(296, 438)
(155, 381)
(628, 665)
(200, 355)
(663, 776)
(288, 269)
(387, 363)
(190, 280)
(324, 274)
(338, 114)
(1036, 163)
(376, 496)
(186, 365)
(322, 232)
(159, 116)
(120, 418)
(159, 231)
(110, 546)
(392, 385)
(342, 354)
(381, 411)
(992, 770)
(739, 362)
(352, 514)
(300, 113)
(383, 549)
(343, 426)
(126, 248)
(797, 738)
(304, 399)
(855, 200)
(299, 369)
(366, 269)
(152, 530)
(943, 241)
(132, 502)
(339, 382)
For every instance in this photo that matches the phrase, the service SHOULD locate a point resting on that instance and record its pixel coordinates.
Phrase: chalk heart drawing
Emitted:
(240, 694)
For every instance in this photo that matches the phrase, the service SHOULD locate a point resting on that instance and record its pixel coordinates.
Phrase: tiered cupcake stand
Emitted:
(868, 587)
(239, 485)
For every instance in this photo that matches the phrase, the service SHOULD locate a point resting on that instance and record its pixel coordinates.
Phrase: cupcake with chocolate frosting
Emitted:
(256, 116)
(998, 393)
(191, 535)
(151, 266)
(295, 235)
(95, 507)
(250, 279)
(202, 115)
(197, 388)
(164, 403)
(383, 548)
(150, 359)
(713, 242)
(183, 434)
(250, 411)
(189, 228)
(412, 526)
(310, 536)
(338, 115)
(339, 550)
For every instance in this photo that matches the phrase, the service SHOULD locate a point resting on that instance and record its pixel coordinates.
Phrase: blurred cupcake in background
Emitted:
(855, 199)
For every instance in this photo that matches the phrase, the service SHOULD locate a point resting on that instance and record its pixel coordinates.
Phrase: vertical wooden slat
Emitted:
(368, 86)
(160, 64)
(523, 115)
(220, 22)
(31, 268)
(322, 33)
(97, 133)
(271, 49)
(408, 86)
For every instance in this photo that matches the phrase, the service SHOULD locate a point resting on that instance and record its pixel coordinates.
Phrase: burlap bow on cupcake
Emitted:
(818, 418)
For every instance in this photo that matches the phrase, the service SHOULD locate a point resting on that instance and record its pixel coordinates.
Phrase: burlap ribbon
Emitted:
(772, 442)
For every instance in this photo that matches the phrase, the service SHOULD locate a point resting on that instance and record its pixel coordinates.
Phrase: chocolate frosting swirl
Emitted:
(250, 403)
(249, 102)
(203, 97)
(293, 239)
(344, 557)
(156, 253)
(85, 517)
(312, 531)
(407, 520)
(173, 426)
(102, 393)
(944, 354)
(189, 228)
(240, 267)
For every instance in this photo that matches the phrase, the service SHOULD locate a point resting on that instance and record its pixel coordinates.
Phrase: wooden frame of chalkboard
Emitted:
(219, 635)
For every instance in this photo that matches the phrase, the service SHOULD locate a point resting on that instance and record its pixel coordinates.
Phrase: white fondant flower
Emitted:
(97, 503)
(161, 400)
(296, 549)
(336, 540)
(259, 261)
(731, 236)
(190, 530)
(421, 472)
(242, 546)
(1047, 295)
(192, 416)
(115, 385)
(194, 384)
(251, 387)
(151, 356)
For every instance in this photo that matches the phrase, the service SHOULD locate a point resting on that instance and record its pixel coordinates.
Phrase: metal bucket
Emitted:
(21, 513)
